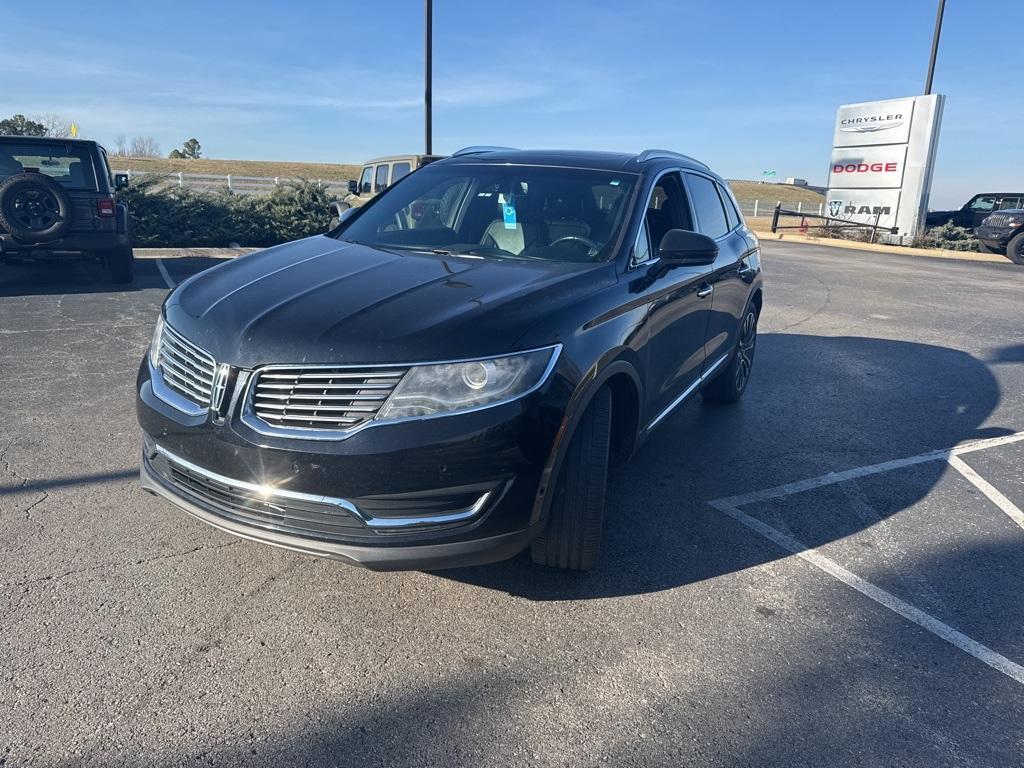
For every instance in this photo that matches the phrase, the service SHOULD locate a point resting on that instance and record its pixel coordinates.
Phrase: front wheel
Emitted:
(572, 536)
(1015, 249)
(120, 263)
(731, 383)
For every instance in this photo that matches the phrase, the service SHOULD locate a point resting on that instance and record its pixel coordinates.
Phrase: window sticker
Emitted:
(508, 210)
(615, 182)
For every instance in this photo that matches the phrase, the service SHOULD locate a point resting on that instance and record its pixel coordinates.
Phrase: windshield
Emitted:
(67, 164)
(499, 211)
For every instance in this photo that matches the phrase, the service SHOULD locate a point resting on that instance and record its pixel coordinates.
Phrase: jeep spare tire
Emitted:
(34, 208)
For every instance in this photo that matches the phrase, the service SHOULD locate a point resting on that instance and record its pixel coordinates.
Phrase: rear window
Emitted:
(399, 170)
(67, 164)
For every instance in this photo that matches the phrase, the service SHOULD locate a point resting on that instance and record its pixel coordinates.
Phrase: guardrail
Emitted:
(243, 185)
(756, 208)
(831, 223)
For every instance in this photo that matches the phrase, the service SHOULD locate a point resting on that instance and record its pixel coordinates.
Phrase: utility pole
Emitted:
(428, 96)
(935, 47)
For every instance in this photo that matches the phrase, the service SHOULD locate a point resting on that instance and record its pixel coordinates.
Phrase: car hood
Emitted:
(319, 300)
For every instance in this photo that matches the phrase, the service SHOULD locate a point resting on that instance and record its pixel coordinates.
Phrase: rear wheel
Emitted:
(573, 534)
(1015, 249)
(120, 263)
(729, 386)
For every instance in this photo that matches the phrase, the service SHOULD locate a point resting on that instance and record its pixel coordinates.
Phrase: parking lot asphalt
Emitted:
(737, 617)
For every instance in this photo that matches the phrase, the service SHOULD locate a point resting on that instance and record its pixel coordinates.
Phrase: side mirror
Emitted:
(120, 181)
(340, 211)
(353, 186)
(680, 247)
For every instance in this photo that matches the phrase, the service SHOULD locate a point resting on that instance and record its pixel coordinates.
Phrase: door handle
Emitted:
(705, 291)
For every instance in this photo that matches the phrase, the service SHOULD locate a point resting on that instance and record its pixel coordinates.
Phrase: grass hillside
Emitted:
(771, 193)
(312, 171)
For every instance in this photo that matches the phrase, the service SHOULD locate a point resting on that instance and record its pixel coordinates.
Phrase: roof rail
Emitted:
(481, 150)
(651, 154)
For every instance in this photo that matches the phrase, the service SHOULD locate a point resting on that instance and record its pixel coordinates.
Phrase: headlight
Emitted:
(429, 390)
(154, 345)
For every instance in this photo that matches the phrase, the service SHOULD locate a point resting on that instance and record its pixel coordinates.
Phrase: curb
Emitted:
(900, 250)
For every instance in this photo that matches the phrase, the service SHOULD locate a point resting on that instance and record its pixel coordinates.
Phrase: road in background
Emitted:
(133, 635)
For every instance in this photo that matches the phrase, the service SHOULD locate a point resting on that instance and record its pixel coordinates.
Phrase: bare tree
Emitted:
(121, 145)
(56, 126)
(144, 146)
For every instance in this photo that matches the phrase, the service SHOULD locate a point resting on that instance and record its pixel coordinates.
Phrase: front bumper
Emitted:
(475, 551)
(995, 237)
(396, 496)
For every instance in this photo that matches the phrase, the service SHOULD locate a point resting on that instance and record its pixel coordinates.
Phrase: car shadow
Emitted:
(815, 405)
(48, 278)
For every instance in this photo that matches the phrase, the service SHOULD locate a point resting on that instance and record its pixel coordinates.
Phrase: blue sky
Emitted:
(744, 86)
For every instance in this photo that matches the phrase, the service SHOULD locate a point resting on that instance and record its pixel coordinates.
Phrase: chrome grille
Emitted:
(333, 399)
(186, 368)
(998, 220)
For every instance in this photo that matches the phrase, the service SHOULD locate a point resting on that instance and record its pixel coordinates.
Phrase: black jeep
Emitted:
(57, 201)
(1003, 232)
(977, 208)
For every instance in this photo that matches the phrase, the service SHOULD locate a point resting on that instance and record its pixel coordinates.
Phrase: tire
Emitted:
(120, 264)
(1015, 249)
(731, 383)
(572, 537)
(34, 208)
(983, 248)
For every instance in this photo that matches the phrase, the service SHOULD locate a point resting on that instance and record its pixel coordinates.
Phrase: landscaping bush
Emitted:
(167, 216)
(949, 237)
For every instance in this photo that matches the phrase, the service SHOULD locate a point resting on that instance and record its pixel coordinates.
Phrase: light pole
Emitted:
(935, 47)
(428, 73)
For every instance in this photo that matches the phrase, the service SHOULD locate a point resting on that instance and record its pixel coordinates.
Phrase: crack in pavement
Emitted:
(7, 469)
(116, 564)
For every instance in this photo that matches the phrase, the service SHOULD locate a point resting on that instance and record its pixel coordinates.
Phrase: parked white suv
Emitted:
(380, 173)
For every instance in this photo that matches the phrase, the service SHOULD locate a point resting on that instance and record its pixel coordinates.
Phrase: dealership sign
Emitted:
(881, 165)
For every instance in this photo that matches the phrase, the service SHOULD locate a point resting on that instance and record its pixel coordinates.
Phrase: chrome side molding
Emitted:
(689, 391)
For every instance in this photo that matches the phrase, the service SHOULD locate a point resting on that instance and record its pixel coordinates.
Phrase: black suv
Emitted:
(1003, 232)
(976, 209)
(442, 378)
(57, 201)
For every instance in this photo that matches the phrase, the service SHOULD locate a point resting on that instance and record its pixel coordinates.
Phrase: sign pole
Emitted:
(428, 75)
(935, 47)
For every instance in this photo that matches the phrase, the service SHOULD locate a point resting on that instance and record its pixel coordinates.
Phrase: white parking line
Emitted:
(852, 474)
(731, 507)
(166, 275)
(984, 654)
(993, 493)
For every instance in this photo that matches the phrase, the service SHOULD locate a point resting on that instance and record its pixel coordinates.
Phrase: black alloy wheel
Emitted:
(745, 350)
(729, 385)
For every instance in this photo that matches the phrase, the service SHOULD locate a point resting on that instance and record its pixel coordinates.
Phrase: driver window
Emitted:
(365, 183)
(983, 204)
(667, 209)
